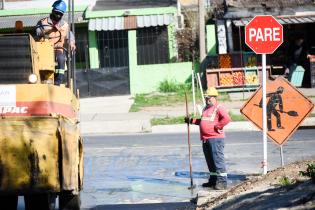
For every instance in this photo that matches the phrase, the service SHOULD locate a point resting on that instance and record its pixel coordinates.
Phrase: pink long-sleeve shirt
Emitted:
(210, 123)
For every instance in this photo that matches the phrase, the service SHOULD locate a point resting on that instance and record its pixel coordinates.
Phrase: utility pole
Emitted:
(2, 4)
(180, 17)
(202, 39)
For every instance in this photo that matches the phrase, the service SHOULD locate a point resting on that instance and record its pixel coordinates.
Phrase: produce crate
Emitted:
(212, 78)
(251, 76)
(225, 78)
(238, 77)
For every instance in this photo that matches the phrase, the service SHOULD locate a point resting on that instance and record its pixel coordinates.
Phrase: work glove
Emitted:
(218, 130)
(188, 120)
(72, 46)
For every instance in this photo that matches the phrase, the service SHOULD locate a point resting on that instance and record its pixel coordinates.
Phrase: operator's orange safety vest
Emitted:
(57, 37)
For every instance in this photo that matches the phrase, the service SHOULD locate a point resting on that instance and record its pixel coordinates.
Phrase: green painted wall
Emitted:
(147, 78)
(211, 40)
(172, 43)
(93, 51)
(147, 11)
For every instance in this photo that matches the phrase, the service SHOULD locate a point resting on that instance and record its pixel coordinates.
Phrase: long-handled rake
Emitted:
(192, 186)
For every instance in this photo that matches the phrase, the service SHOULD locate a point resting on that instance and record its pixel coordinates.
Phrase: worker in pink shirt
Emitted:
(214, 118)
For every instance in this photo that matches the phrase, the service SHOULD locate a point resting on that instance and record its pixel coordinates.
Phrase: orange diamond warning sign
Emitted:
(287, 107)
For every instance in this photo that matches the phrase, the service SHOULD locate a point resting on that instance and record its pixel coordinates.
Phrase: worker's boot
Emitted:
(59, 77)
(210, 183)
(220, 186)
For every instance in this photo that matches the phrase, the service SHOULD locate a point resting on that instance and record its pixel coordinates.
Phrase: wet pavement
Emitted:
(135, 174)
(143, 169)
(147, 168)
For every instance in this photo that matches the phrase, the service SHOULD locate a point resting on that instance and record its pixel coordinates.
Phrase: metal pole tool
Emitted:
(192, 186)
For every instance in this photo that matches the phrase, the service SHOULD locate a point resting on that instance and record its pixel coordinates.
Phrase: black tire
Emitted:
(45, 201)
(9, 202)
(68, 201)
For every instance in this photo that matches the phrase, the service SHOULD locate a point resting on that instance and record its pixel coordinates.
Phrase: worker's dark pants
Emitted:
(61, 63)
(269, 121)
(213, 150)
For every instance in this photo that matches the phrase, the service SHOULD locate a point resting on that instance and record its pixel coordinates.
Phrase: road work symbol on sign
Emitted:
(275, 107)
(263, 34)
(286, 109)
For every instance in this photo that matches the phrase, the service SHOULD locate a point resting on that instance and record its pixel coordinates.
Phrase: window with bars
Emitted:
(113, 48)
(152, 45)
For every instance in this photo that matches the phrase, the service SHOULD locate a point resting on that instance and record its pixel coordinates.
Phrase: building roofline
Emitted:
(89, 14)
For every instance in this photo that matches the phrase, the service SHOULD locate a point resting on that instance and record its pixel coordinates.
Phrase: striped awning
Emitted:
(282, 20)
(31, 20)
(129, 22)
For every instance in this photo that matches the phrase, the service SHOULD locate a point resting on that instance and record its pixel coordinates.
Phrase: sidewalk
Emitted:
(110, 115)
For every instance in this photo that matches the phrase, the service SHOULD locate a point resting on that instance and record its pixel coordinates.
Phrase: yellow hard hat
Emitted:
(211, 92)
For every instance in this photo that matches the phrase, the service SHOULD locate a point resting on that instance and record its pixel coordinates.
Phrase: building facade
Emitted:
(228, 30)
(122, 48)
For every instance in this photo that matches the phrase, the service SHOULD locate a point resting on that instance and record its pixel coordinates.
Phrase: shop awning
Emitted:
(282, 20)
(31, 20)
(129, 22)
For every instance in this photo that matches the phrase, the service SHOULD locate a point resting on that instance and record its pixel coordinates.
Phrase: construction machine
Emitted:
(41, 149)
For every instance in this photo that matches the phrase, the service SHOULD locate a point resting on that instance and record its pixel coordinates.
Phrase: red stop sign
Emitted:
(263, 34)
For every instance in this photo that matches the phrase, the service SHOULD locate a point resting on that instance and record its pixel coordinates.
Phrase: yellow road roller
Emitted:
(41, 149)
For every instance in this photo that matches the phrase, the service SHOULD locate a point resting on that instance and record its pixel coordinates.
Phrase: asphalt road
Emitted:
(139, 169)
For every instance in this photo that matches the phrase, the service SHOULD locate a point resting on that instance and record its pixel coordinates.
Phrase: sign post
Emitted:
(264, 104)
(281, 155)
(264, 34)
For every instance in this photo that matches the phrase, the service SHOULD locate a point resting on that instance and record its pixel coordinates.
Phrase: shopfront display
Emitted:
(233, 78)
(236, 70)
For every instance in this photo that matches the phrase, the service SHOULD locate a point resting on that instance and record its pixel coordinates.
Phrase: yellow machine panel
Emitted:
(29, 154)
(46, 62)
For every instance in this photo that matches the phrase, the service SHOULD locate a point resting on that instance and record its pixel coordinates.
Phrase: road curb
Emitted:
(144, 126)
